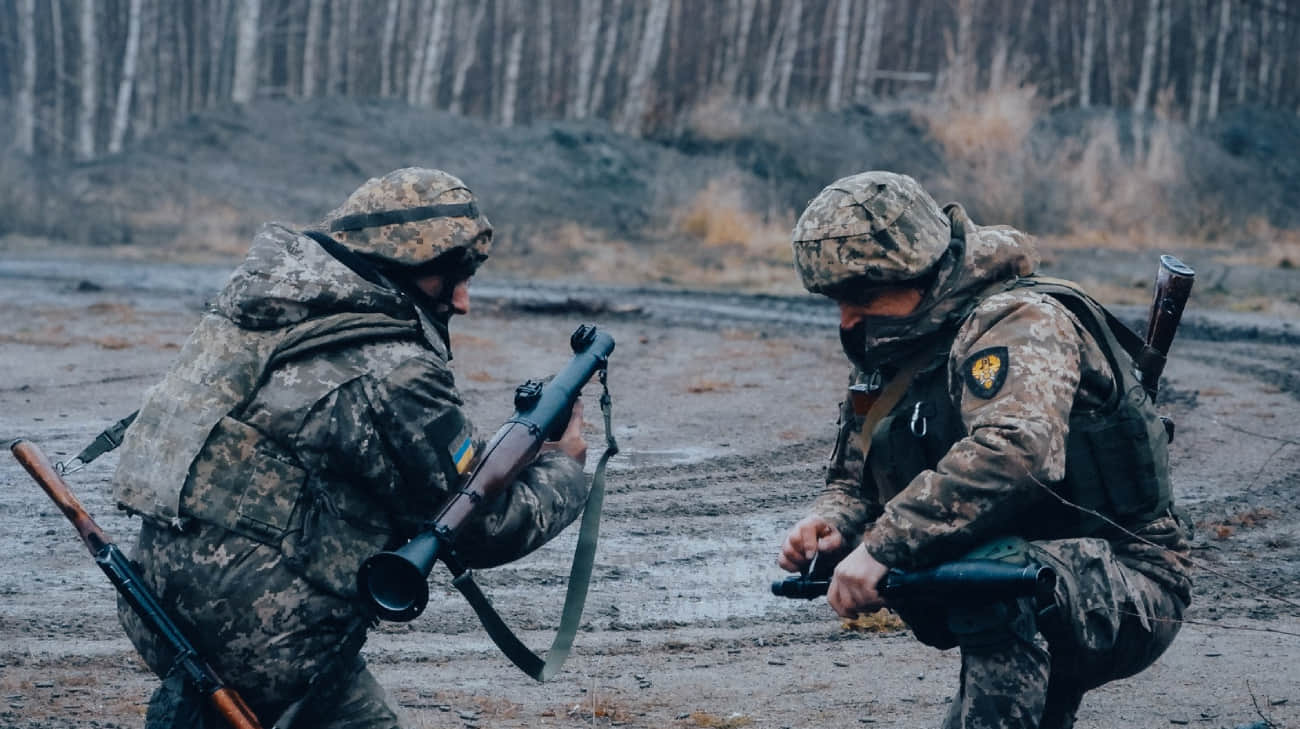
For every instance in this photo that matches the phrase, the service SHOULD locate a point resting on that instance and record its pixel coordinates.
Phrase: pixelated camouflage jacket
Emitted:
(328, 423)
(994, 480)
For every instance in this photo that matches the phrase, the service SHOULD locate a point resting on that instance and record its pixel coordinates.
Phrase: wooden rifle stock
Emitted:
(228, 703)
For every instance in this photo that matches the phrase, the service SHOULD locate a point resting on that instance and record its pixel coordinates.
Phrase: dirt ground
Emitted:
(724, 408)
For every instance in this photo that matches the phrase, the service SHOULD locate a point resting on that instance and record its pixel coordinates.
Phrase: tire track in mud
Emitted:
(690, 530)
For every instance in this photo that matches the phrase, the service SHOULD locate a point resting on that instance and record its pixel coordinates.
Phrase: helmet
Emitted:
(410, 217)
(870, 228)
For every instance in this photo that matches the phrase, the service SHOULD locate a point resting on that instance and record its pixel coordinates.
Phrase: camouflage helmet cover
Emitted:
(410, 217)
(875, 227)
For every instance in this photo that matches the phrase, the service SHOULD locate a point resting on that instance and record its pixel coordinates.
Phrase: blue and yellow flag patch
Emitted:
(463, 456)
(985, 371)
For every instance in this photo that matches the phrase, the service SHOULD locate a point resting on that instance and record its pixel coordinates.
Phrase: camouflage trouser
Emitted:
(1114, 621)
(358, 703)
(263, 629)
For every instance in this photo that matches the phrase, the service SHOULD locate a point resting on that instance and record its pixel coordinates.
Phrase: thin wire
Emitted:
(1186, 558)
(1185, 621)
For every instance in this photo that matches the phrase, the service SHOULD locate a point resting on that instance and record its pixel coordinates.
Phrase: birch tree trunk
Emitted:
(1166, 42)
(1149, 43)
(423, 35)
(1200, 45)
(336, 46)
(835, 92)
(431, 71)
(789, 47)
(25, 103)
(1220, 47)
(744, 23)
(89, 80)
(467, 53)
(542, 97)
(607, 57)
(386, 48)
(963, 76)
(311, 47)
(1244, 43)
(869, 53)
(588, 37)
(1116, 59)
(510, 73)
(639, 87)
(146, 88)
(122, 111)
(767, 81)
(59, 123)
(216, 50)
(1089, 45)
(244, 87)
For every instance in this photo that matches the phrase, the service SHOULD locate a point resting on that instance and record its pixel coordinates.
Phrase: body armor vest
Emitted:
(1116, 456)
(190, 456)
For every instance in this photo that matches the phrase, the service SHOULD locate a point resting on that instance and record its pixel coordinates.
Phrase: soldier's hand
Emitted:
(853, 586)
(811, 535)
(572, 442)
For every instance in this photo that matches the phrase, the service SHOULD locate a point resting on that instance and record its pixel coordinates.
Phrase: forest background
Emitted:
(652, 140)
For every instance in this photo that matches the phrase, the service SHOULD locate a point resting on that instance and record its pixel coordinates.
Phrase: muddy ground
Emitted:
(724, 407)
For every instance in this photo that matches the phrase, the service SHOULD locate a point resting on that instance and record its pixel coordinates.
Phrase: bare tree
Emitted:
(465, 57)
(89, 81)
(336, 48)
(743, 27)
(1200, 42)
(835, 91)
(1220, 47)
(869, 50)
(122, 112)
(58, 123)
(431, 67)
(789, 47)
(25, 106)
(1149, 43)
(637, 99)
(311, 47)
(244, 87)
(1089, 47)
(513, 58)
(146, 90)
(588, 35)
(386, 47)
(607, 56)
(544, 54)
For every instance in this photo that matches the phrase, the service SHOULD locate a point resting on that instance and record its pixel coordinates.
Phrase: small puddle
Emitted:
(632, 459)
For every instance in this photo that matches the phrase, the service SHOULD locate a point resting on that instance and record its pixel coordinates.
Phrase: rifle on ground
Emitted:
(114, 563)
(395, 584)
(966, 581)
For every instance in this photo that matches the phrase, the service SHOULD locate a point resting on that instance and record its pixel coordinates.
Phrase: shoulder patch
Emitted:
(985, 371)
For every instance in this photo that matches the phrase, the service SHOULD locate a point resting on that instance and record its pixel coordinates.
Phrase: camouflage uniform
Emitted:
(976, 451)
(328, 427)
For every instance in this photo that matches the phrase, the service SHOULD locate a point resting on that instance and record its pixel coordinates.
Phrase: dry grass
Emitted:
(1223, 528)
(1104, 191)
(713, 721)
(881, 621)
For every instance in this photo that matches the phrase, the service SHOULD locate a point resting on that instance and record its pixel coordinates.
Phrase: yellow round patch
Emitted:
(986, 370)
